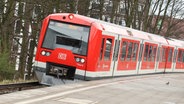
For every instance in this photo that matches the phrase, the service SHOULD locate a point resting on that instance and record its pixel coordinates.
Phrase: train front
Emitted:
(62, 48)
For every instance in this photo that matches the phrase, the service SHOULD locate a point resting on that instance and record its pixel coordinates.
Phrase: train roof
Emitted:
(175, 42)
(113, 28)
(125, 31)
(132, 32)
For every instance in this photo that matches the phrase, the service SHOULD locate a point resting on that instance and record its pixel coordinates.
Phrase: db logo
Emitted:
(62, 56)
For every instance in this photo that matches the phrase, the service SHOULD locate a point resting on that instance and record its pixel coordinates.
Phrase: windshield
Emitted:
(67, 36)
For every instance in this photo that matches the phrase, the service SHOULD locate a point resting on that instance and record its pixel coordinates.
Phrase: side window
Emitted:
(135, 49)
(179, 56)
(150, 53)
(163, 54)
(102, 47)
(183, 56)
(170, 55)
(129, 50)
(160, 58)
(108, 49)
(130, 45)
(175, 55)
(154, 53)
(123, 52)
(146, 52)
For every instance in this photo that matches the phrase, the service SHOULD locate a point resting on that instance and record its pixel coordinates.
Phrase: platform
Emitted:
(145, 89)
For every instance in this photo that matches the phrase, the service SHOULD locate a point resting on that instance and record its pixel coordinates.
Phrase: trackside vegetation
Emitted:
(7, 69)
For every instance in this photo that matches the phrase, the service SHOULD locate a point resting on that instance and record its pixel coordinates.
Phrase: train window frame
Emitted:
(128, 53)
(146, 52)
(108, 49)
(179, 55)
(154, 53)
(146, 49)
(150, 53)
(135, 51)
(84, 39)
(163, 54)
(123, 50)
(102, 48)
(160, 54)
(103, 51)
(170, 54)
(182, 57)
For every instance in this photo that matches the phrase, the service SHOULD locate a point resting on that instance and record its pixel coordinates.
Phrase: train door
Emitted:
(149, 56)
(126, 59)
(162, 57)
(107, 45)
(165, 57)
(180, 59)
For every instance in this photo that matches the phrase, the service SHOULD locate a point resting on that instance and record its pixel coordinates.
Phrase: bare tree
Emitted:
(84, 9)
(175, 22)
(6, 25)
(25, 18)
(146, 18)
(164, 15)
(131, 9)
(115, 5)
(6, 35)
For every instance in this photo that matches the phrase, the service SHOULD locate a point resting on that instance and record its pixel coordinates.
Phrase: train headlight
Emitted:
(47, 54)
(77, 59)
(82, 60)
(43, 53)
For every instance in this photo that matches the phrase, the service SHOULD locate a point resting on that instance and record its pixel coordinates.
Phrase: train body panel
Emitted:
(74, 46)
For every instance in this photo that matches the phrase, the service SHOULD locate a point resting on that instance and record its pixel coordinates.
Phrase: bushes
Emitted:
(7, 69)
(4, 75)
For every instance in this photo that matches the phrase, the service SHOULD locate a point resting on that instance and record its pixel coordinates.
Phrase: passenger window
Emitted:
(179, 55)
(146, 52)
(129, 51)
(154, 53)
(163, 55)
(183, 56)
(135, 49)
(102, 47)
(108, 49)
(170, 55)
(123, 52)
(150, 53)
(160, 54)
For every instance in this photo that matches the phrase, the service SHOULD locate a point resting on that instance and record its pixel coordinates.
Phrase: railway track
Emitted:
(9, 88)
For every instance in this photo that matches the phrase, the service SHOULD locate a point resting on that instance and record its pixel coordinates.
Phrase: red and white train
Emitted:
(73, 46)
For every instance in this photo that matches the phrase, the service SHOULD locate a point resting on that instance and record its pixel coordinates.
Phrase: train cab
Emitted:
(64, 44)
